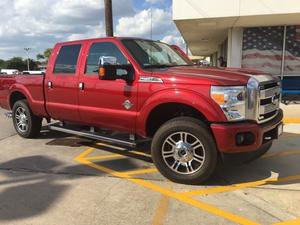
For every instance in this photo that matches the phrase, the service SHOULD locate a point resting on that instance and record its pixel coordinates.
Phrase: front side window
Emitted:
(104, 53)
(151, 54)
(66, 61)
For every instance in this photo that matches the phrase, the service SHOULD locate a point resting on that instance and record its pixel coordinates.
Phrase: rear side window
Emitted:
(66, 61)
(106, 50)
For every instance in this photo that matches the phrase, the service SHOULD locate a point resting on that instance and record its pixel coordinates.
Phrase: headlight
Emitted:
(232, 101)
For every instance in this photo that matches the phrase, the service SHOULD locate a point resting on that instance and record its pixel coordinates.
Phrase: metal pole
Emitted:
(283, 53)
(186, 49)
(27, 52)
(108, 18)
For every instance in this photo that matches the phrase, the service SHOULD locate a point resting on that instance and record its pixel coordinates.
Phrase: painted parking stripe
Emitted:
(141, 171)
(165, 191)
(234, 187)
(291, 120)
(290, 222)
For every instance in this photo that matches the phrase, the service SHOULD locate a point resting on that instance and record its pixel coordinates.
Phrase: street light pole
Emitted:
(27, 52)
(108, 18)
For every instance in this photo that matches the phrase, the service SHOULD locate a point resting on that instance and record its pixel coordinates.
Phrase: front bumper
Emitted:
(226, 134)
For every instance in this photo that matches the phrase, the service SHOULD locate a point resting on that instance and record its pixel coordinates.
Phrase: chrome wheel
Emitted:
(21, 119)
(183, 153)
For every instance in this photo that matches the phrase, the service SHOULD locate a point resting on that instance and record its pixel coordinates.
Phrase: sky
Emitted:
(39, 24)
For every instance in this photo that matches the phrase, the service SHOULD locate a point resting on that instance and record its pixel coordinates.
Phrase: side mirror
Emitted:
(114, 72)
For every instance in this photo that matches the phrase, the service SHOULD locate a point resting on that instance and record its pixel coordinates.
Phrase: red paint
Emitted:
(100, 103)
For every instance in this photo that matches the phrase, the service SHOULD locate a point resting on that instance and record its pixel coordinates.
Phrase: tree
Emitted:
(3, 64)
(20, 64)
(16, 63)
(44, 56)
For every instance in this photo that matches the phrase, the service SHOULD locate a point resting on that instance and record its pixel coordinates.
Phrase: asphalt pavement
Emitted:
(62, 179)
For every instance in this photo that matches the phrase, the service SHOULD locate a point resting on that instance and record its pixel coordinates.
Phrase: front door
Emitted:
(106, 103)
(61, 85)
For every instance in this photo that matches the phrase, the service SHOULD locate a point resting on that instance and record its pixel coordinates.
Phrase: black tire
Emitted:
(198, 130)
(33, 123)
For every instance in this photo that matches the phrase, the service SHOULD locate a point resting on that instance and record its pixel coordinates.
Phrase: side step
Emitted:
(92, 135)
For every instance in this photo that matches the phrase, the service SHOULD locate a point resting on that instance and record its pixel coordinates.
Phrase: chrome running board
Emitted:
(93, 136)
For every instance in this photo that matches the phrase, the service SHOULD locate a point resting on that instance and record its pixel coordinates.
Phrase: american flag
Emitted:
(262, 49)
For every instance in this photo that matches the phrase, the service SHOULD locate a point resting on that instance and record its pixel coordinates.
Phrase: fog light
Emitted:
(246, 138)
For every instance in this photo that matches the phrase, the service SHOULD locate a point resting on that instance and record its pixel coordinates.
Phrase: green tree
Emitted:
(16, 63)
(44, 56)
(20, 64)
(3, 64)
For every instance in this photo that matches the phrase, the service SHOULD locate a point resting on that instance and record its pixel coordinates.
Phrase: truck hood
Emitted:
(200, 75)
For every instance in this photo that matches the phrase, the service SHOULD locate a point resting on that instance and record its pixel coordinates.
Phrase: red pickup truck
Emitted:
(147, 90)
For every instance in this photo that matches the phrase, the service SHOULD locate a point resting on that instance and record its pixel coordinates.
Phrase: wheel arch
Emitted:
(167, 105)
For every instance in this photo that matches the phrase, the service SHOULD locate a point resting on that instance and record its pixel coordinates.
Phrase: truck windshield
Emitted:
(154, 54)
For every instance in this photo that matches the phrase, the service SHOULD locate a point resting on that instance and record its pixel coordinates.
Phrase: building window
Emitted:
(263, 48)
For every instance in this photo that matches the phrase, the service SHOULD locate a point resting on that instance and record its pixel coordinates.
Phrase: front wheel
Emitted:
(25, 122)
(184, 151)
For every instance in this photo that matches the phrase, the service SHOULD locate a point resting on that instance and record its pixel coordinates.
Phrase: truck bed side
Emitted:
(12, 87)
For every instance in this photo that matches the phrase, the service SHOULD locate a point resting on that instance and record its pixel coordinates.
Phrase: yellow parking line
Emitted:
(142, 171)
(110, 146)
(100, 157)
(284, 153)
(290, 222)
(291, 120)
(204, 206)
(161, 211)
(234, 187)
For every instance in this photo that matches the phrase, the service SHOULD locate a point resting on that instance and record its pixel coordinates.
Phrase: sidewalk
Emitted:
(291, 113)
(291, 118)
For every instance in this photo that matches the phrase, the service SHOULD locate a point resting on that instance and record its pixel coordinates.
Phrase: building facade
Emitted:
(260, 34)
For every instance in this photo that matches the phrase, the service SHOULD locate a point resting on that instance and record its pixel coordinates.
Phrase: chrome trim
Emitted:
(92, 136)
(255, 93)
(269, 93)
(145, 79)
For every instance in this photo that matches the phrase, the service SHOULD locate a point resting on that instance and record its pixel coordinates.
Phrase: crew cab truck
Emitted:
(147, 90)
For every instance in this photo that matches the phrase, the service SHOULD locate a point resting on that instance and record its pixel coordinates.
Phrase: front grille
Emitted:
(269, 100)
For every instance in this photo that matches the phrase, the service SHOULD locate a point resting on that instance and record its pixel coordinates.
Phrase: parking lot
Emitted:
(62, 179)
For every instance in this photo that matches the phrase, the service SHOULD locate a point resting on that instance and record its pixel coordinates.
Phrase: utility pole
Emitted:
(108, 18)
(27, 52)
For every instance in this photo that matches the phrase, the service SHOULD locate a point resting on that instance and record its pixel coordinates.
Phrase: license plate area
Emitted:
(273, 134)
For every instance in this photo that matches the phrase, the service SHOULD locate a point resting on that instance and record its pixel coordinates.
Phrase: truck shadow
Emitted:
(229, 173)
(28, 191)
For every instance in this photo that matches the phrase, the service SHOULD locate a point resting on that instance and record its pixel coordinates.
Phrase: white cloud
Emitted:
(154, 1)
(144, 23)
(174, 40)
(40, 24)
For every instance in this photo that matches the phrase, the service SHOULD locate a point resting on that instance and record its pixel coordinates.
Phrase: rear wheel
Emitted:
(184, 151)
(26, 124)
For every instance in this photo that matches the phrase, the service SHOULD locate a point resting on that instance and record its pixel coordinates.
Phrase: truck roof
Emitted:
(103, 38)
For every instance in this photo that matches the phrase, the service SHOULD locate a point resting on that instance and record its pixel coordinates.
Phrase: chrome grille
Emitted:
(269, 100)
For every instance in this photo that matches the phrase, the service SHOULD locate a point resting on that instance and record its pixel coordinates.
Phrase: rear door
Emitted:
(61, 83)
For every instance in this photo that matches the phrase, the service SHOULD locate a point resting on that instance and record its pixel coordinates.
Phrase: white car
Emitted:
(9, 71)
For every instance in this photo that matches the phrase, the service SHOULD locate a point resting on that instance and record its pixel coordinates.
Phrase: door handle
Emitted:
(50, 84)
(81, 86)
